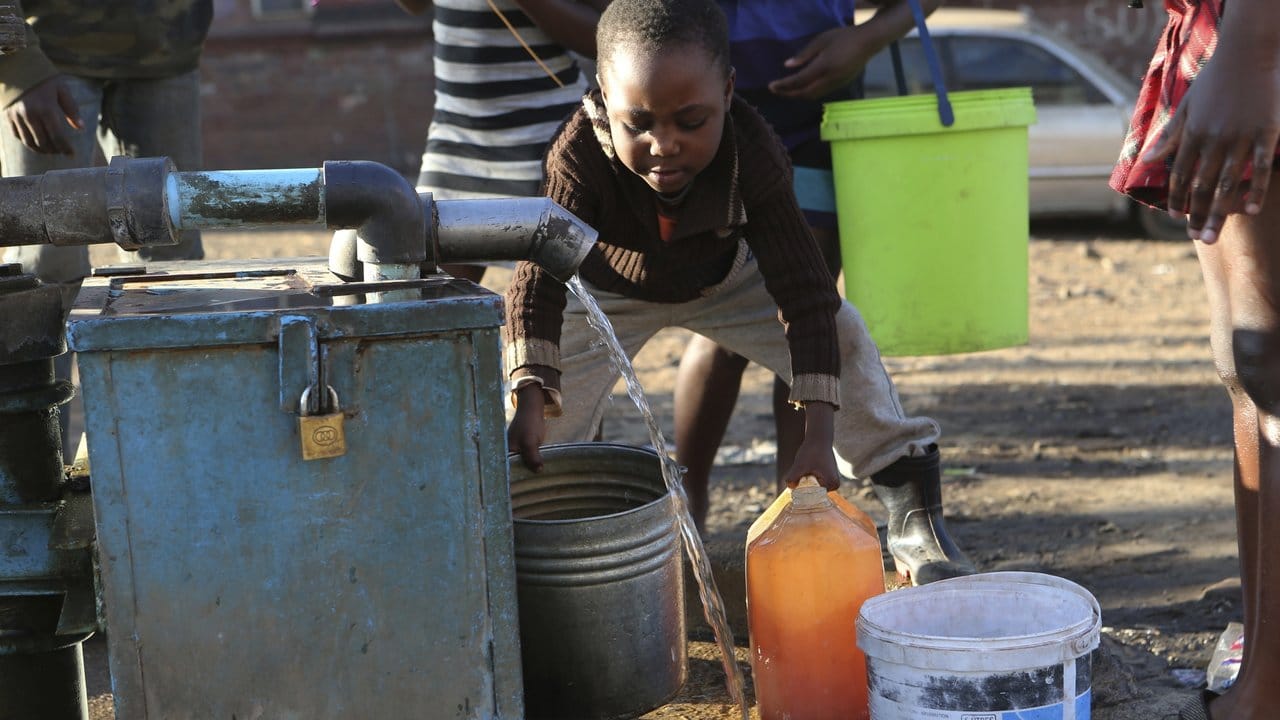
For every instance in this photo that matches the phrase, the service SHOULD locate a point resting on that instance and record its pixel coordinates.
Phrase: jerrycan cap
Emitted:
(809, 495)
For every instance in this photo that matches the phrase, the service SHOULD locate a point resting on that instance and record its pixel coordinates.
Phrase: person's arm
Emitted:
(531, 335)
(40, 117)
(571, 23)
(535, 301)
(38, 107)
(796, 276)
(835, 57)
(528, 427)
(1228, 123)
(814, 456)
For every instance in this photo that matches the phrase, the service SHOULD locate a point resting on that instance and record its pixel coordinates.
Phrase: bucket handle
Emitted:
(945, 114)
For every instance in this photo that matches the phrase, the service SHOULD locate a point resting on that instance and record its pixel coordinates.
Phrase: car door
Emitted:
(1078, 131)
(1076, 138)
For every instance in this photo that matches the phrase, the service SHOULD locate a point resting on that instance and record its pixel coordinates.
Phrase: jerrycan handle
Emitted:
(945, 114)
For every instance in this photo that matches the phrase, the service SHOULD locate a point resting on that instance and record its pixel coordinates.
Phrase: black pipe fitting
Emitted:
(124, 203)
(381, 206)
(137, 202)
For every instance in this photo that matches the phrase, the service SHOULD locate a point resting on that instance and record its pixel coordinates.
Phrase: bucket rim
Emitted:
(1011, 652)
(912, 115)
(1018, 93)
(552, 451)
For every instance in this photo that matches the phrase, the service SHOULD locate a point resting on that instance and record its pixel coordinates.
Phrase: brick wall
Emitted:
(352, 79)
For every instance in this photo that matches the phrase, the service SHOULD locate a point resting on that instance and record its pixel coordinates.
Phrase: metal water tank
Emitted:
(241, 580)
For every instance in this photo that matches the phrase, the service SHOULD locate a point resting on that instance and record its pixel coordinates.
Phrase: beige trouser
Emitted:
(871, 429)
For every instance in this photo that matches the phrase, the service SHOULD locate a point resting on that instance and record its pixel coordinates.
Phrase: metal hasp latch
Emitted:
(304, 362)
(47, 603)
(321, 426)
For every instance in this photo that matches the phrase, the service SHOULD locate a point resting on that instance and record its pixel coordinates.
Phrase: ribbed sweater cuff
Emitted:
(524, 352)
(815, 387)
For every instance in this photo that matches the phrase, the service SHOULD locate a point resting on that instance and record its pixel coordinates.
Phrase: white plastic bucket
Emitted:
(993, 646)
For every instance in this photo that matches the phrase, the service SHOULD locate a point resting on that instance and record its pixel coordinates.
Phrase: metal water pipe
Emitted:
(487, 230)
(394, 233)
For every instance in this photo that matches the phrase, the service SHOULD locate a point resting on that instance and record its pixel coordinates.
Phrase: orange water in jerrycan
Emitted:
(811, 562)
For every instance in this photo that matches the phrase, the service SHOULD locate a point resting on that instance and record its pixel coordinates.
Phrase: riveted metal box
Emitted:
(240, 580)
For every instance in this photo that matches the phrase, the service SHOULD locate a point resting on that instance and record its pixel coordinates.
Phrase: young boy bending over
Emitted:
(691, 193)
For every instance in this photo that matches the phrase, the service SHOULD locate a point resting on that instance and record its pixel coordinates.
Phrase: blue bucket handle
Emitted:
(945, 114)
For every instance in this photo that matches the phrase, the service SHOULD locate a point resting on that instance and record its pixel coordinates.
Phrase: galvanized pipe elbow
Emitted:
(381, 206)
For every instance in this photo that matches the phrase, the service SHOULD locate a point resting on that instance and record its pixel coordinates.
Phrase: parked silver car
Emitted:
(1082, 105)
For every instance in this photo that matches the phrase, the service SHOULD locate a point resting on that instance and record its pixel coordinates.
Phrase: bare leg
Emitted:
(706, 392)
(1242, 278)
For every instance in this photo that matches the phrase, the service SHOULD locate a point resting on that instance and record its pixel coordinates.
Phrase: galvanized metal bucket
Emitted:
(599, 583)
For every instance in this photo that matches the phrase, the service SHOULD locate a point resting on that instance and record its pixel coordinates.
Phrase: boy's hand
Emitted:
(528, 428)
(815, 457)
(41, 116)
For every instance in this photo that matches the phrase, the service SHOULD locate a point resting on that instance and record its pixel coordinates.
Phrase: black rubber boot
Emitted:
(911, 490)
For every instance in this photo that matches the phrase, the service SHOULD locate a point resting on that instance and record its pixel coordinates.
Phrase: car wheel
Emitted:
(1158, 225)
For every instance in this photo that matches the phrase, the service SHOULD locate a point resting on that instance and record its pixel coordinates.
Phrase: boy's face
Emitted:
(666, 112)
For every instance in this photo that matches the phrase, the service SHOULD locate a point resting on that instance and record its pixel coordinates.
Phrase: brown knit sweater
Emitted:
(745, 193)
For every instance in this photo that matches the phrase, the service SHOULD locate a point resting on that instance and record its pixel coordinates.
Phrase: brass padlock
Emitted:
(322, 434)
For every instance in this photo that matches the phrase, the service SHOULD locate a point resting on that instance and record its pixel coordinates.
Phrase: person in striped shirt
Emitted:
(506, 78)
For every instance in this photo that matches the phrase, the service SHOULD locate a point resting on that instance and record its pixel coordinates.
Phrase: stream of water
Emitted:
(712, 605)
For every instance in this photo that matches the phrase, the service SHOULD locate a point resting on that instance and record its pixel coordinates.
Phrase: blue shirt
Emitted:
(762, 35)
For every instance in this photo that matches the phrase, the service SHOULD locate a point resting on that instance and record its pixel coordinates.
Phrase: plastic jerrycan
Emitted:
(812, 560)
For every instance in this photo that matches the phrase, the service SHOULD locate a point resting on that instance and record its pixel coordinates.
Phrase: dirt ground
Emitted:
(1099, 452)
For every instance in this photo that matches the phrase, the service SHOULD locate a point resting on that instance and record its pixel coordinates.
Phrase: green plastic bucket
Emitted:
(933, 219)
